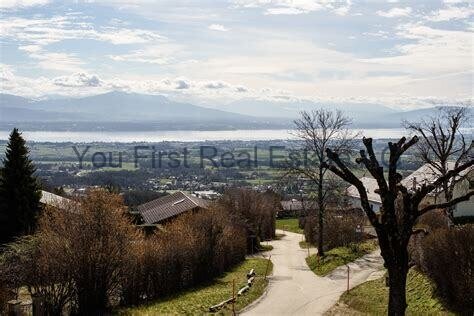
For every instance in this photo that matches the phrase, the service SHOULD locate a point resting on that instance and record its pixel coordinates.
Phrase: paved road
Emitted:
(295, 290)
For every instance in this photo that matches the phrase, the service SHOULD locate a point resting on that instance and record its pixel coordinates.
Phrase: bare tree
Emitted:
(320, 129)
(394, 226)
(443, 145)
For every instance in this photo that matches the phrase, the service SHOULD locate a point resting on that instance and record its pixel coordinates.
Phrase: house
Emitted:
(427, 174)
(295, 208)
(374, 199)
(424, 175)
(54, 200)
(170, 206)
(207, 195)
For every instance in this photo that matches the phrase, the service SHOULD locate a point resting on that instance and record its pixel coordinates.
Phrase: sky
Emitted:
(404, 54)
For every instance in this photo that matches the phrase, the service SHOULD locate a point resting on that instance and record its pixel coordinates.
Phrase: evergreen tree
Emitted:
(19, 191)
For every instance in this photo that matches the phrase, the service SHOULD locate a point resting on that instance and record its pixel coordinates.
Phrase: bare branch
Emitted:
(453, 202)
(425, 189)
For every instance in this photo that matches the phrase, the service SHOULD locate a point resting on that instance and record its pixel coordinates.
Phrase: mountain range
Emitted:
(139, 111)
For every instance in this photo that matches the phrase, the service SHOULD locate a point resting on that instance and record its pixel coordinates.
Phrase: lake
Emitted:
(181, 136)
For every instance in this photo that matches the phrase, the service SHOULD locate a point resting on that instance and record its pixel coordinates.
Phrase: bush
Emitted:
(16, 259)
(254, 211)
(89, 243)
(425, 224)
(340, 229)
(192, 249)
(90, 257)
(449, 262)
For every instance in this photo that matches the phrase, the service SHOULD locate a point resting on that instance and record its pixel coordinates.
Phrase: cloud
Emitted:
(20, 4)
(162, 54)
(379, 33)
(183, 89)
(58, 61)
(119, 36)
(182, 84)
(216, 85)
(218, 27)
(78, 80)
(46, 31)
(292, 7)
(395, 12)
(30, 48)
(451, 13)
(431, 51)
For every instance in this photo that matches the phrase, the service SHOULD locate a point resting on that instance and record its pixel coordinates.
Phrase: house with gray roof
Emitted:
(54, 200)
(170, 206)
(426, 174)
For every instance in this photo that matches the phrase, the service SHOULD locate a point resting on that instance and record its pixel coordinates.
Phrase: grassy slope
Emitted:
(197, 301)
(337, 257)
(372, 297)
(289, 224)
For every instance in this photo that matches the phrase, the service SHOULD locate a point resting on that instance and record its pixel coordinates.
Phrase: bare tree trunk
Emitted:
(320, 234)
(397, 303)
(395, 253)
(320, 214)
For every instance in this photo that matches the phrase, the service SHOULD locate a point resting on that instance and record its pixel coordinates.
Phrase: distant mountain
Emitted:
(362, 114)
(268, 108)
(8, 100)
(132, 111)
(113, 106)
(15, 114)
(120, 106)
(420, 114)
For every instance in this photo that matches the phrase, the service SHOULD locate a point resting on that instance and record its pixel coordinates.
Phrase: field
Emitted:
(197, 301)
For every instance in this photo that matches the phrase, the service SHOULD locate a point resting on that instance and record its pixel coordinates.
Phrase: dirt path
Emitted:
(295, 290)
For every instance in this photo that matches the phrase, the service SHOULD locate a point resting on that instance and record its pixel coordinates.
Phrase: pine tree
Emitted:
(19, 191)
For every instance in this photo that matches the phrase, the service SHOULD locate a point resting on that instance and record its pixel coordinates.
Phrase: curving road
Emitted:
(295, 290)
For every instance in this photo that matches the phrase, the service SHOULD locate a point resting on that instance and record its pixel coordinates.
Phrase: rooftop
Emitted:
(48, 198)
(424, 175)
(169, 206)
(371, 185)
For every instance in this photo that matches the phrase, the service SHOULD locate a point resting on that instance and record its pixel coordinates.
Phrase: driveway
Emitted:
(295, 290)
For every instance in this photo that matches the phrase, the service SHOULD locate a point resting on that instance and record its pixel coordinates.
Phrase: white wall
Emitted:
(355, 202)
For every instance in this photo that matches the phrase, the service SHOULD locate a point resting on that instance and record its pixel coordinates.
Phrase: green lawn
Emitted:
(338, 256)
(371, 298)
(289, 224)
(197, 301)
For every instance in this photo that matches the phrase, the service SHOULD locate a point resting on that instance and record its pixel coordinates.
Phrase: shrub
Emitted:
(425, 224)
(85, 246)
(340, 229)
(89, 256)
(191, 249)
(16, 267)
(254, 211)
(449, 262)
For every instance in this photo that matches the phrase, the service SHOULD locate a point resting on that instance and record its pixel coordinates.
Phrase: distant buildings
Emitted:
(295, 208)
(207, 195)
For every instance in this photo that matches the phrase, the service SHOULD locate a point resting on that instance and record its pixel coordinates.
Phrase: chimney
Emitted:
(414, 183)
